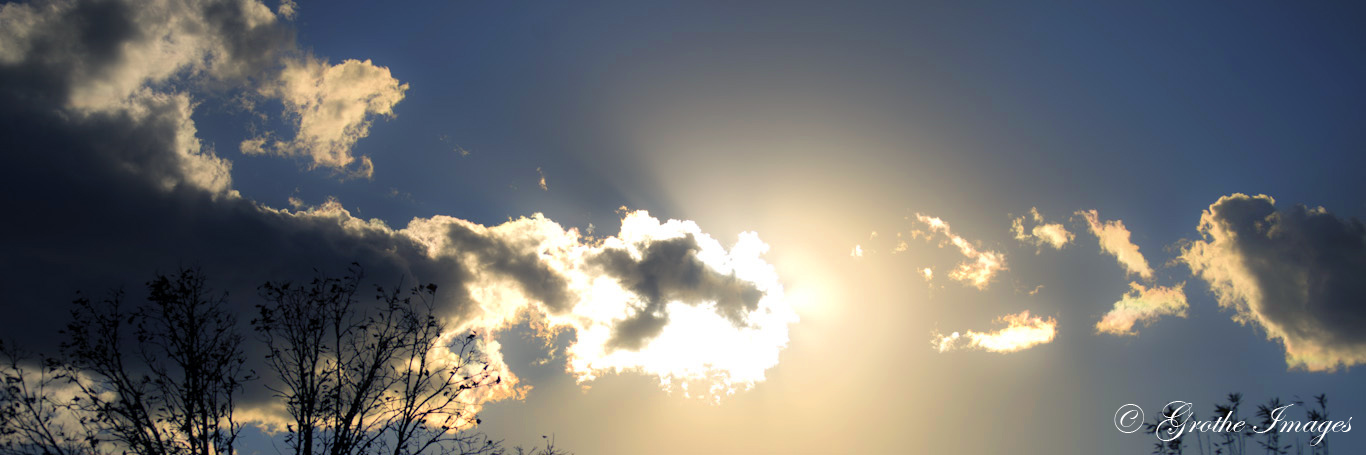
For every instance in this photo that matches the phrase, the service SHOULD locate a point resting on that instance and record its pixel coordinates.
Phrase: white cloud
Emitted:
(1051, 234)
(1114, 239)
(981, 265)
(1145, 305)
(1021, 331)
(332, 107)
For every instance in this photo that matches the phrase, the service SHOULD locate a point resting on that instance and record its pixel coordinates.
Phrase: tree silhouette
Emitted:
(163, 377)
(548, 449)
(358, 380)
(35, 402)
(426, 399)
(169, 389)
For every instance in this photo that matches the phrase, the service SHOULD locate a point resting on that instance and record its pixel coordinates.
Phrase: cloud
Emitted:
(1022, 331)
(112, 184)
(1114, 239)
(1142, 304)
(1296, 273)
(659, 298)
(981, 265)
(331, 107)
(288, 9)
(95, 56)
(1051, 234)
(95, 63)
(856, 251)
(542, 181)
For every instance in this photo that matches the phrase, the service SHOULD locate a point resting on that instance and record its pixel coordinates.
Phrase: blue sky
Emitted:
(812, 124)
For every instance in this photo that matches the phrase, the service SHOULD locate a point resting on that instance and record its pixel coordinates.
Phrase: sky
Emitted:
(734, 227)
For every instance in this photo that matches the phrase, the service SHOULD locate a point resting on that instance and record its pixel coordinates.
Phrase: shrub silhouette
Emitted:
(1270, 440)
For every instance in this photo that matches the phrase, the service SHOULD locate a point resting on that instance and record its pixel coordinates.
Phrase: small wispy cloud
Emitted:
(1051, 234)
(1021, 331)
(1145, 305)
(542, 181)
(1114, 239)
(981, 265)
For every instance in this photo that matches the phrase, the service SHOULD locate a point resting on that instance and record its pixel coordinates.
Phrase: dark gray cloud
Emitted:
(515, 258)
(105, 195)
(1297, 273)
(670, 270)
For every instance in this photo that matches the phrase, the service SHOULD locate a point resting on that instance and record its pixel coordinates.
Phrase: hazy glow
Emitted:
(1022, 331)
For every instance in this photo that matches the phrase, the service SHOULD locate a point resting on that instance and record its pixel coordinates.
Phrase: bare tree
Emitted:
(161, 378)
(359, 379)
(35, 415)
(426, 402)
(174, 392)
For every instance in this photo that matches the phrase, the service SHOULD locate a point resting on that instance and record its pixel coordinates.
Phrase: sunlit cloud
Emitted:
(331, 107)
(856, 251)
(901, 245)
(1021, 331)
(1114, 239)
(1051, 234)
(1296, 273)
(979, 267)
(542, 180)
(1145, 305)
(288, 9)
(661, 298)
